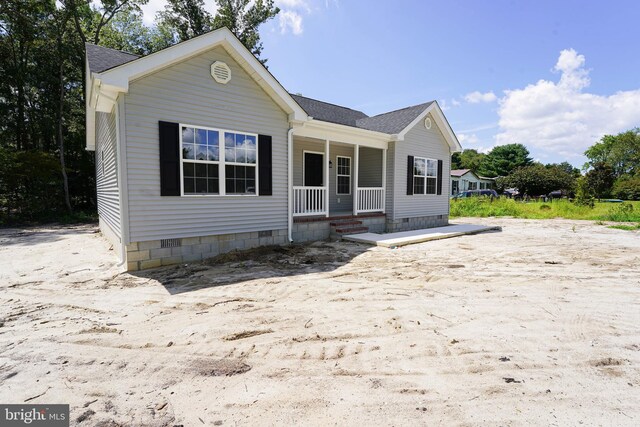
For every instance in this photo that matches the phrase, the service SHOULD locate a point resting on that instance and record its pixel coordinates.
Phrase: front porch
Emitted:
(337, 179)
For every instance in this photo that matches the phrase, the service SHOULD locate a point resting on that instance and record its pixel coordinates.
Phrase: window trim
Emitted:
(222, 179)
(339, 175)
(425, 176)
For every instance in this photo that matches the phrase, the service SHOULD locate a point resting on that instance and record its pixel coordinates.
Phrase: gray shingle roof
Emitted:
(103, 58)
(394, 121)
(327, 112)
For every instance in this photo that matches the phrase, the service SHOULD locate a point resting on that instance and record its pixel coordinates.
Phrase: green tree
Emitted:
(621, 152)
(243, 17)
(536, 180)
(467, 159)
(504, 159)
(567, 167)
(627, 188)
(185, 18)
(600, 179)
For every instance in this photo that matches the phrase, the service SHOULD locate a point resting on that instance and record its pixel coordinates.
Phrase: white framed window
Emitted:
(425, 175)
(217, 161)
(343, 175)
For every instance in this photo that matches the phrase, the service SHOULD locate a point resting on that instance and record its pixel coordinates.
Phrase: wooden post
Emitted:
(326, 176)
(356, 165)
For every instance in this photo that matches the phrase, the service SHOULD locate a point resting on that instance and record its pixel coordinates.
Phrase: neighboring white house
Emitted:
(200, 150)
(466, 179)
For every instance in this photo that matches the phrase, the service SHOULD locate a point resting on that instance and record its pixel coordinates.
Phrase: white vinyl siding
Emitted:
(426, 143)
(108, 197)
(186, 93)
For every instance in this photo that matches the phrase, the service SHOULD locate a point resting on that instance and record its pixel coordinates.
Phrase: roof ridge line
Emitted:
(115, 50)
(329, 103)
(399, 109)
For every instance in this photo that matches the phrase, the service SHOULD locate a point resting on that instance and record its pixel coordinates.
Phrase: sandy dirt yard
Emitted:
(537, 324)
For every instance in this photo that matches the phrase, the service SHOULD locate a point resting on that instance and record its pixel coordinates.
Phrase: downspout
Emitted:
(290, 184)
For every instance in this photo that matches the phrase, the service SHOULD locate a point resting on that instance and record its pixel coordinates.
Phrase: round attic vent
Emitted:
(220, 72)
(427, 122)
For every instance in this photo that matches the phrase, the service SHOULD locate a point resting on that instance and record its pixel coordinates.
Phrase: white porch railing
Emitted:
(309, 201)
(370, 199)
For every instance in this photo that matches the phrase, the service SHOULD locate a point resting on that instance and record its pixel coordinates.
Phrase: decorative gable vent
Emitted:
(427, 123)
(220, 72)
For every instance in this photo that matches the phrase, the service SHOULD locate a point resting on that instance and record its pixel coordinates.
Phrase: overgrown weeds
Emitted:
(485, 207)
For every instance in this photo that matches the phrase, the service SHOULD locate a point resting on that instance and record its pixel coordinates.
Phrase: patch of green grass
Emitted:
(626, 227)
(485, 207)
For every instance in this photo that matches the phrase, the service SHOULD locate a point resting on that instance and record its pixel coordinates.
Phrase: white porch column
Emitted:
(356, 165)
(326, 176)
(384, 180)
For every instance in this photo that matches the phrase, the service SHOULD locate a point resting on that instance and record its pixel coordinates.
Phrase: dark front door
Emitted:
(313, 164)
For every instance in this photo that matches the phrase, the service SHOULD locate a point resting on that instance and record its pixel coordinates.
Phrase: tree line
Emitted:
(612, 170)
(45, 171)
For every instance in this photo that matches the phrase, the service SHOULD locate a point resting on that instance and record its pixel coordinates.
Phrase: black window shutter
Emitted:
(410, 176)
(265, 171)
(439, 177)
(169, 159)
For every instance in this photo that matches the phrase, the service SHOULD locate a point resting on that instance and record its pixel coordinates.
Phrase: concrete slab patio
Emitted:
(418, 236)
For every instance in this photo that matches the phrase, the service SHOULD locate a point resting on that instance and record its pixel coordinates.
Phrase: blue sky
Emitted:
(552, 75)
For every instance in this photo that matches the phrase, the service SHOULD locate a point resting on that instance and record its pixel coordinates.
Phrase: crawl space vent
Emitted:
(220, 72)
(170, 243)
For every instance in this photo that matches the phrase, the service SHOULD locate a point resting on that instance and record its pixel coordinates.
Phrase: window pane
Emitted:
(418, 185)
(229, 140)
(212, 171)
(251, 186)
(251, 156)
(251, 173)
(432, 167)
(189, 186)
(431, 185)
(240, 171)
(201, 170)
(419, 167)
(188, 151)
(230, 187)
(213, 153)
(213, 186)
(230, 155)
(201, 185)
(201, 152)
(187, 135)
(201, 136)
(250, 142)
(213, 138)
(240, 186)
(241, 155)
(188, 169)
(230, 171)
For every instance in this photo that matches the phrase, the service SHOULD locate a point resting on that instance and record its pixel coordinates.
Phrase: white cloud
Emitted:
(560, 118)
(478, 97)
(455, 102)
(466, 138)
(290, 21)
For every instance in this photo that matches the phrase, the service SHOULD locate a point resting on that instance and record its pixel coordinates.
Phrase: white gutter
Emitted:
(290, 184)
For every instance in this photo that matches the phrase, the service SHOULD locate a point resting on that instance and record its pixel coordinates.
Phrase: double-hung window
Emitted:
(425, 175)
(217, 162)
(343, 175)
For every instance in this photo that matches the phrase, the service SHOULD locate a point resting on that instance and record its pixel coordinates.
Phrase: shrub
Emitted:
(627, 188)
(584, 197)
(621, 213)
